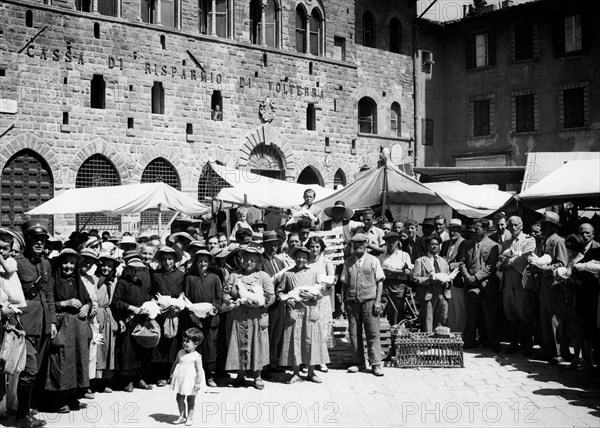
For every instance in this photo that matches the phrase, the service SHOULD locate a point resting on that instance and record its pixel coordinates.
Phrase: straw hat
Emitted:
(348, 212)
(88, 252)
(293, 251)
(203, 252)
(455, 223)
(167, 250)
(551, 217)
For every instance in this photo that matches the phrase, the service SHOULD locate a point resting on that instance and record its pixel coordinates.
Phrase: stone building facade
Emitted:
(510, 81)
(106, 92)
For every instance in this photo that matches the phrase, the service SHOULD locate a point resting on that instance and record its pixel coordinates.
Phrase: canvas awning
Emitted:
(473, 201)
(126, 199)
(262, 192)
(540, 164)
(574, 180)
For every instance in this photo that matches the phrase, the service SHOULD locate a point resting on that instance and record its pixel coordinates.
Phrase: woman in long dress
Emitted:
(107, 325)
(319, 264)
(167, 281)
(133, 289)
(68, 356)
(248, 321)
(303, 336)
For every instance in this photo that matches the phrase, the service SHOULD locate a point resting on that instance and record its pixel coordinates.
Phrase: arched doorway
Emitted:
(26, 183)
(159, 170)
(97, 171)
(266, 161)
(310, 175)
(339, 179)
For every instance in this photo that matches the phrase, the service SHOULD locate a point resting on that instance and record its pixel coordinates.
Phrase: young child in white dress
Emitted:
(187, 375)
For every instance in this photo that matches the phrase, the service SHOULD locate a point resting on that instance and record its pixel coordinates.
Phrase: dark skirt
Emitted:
(69, 354)
(167, 348)
(131, 357)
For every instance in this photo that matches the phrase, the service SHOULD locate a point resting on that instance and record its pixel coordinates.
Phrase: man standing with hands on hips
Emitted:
(38, 318)
(362, 280)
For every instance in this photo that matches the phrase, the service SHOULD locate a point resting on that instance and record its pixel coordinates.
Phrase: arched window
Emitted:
(395, 120)
(265, 160)
(269, 27)
(26, 183)
(367, 116)
(300, 29)
(339, 179)
(210, 184)
(310, 175)
(316, 33)
(368, 30)
(159, 170)
(97, 171)
(395, 35)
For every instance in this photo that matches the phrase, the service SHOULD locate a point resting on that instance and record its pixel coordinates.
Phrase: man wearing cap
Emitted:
(428, 226)
(38, 318)
(453, 252)
(397, 268)
(554, 246)
(517, 301)
(277, 311)
(482, 286)
(362, 279)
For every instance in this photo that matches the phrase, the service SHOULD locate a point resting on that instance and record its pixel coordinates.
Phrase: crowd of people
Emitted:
(274, 296)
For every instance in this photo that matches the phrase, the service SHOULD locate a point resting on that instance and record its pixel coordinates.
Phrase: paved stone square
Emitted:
(489, 391)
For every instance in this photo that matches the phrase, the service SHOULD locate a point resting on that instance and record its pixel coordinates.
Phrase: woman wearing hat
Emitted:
(132, 290)
(68, 356)
(168, 281)
(200, 286)
(303, 337)
(106, 274)
(247, 325)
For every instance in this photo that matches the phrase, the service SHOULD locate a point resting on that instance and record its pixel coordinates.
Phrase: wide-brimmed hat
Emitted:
(16, 236)
(173, 237)
(167, 250)
(252, 248)
(300, 248)
(107, 255)
(66, 252)
(456, 223)
(203, 252)
(219, 253)
(88, 252)
(35, 227)
(551, 217)
(197, 245)
(92, 242)
(129, 254)
(359, 237)
(348, 212)
(270, 236)
(391, 235)
(428, 222)
(134, 260)
(258, 224)
(128, 240)
(115, 237)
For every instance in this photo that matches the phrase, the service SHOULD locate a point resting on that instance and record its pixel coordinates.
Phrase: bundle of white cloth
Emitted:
(248, 295)
(167, 302)
(445, 277)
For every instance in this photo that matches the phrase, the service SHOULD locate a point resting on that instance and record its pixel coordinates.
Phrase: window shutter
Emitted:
(470, 51)
(491, 47)
(559, 36)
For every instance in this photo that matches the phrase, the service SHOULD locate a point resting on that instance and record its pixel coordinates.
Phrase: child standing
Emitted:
(9, 280)
(187, 375)
(242, 223)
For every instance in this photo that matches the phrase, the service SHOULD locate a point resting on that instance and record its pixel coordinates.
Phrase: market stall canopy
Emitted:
(540, 164)
(576, 179)
(367, 190)
(262, 192)
(126, 199)
(473, 201)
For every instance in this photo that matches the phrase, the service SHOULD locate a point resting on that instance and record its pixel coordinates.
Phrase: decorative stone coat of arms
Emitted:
(266, 110)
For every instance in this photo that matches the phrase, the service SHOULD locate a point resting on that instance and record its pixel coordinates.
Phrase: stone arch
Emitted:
(108, 150)
(266, 134)
(164, 151)
(32, 142)
(311, 170)
(192, 174)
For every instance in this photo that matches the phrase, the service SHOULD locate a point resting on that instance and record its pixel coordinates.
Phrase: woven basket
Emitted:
(427, 350)
(146, 333)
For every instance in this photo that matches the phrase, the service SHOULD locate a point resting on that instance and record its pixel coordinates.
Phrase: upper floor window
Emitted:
(367, 116)
(108, 7)
(263, 23)
(481, 118)
(574, 104)
(573, 34)
(368, 30)
(300, 29)
(158, 98)
(395, 35)
(83, 5)
(525, 112)
(481, 49)
(395, 120)
(573, 39)
(316, 33)
(339, 48)
(213, 22)
(523, 41)
(164, 12)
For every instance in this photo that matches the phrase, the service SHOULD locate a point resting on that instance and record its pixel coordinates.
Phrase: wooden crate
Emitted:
(428, 350)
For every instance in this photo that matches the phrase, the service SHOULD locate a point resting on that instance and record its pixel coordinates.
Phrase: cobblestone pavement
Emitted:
(489, 391)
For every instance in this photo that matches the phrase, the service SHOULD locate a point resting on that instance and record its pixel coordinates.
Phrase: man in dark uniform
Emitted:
(38, 318)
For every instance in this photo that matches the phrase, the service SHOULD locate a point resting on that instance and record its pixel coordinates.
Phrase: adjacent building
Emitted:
(509, 81)
(108, 92)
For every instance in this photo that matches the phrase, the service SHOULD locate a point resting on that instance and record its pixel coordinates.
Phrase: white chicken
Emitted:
(249, 296)
(200, 310)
